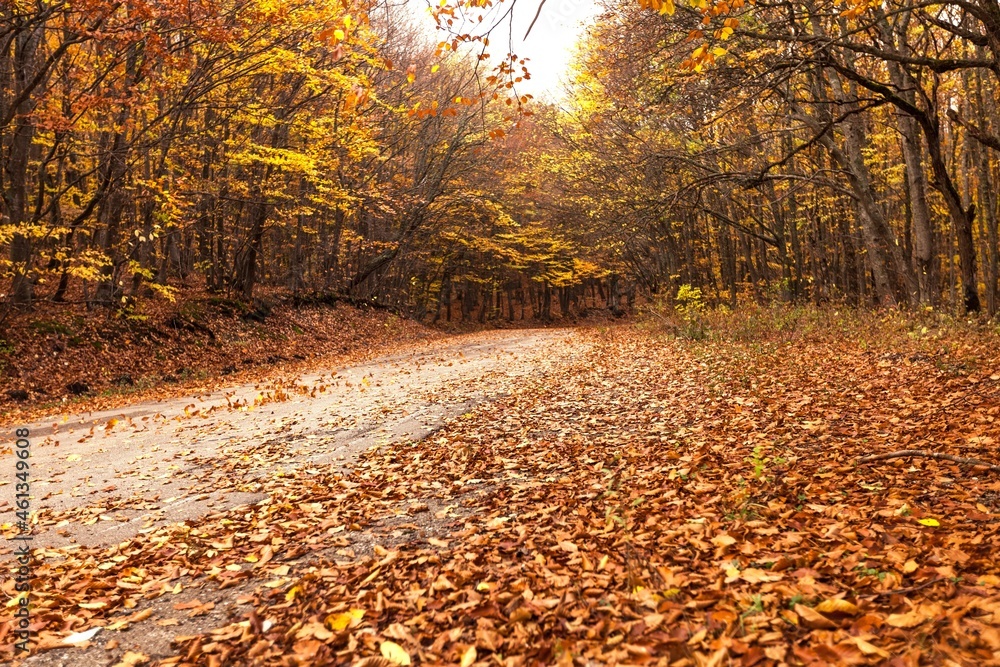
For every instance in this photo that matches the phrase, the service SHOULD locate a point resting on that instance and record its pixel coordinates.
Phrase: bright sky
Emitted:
(549, 47)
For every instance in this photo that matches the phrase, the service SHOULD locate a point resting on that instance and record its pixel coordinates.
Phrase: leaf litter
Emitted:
(650, 501)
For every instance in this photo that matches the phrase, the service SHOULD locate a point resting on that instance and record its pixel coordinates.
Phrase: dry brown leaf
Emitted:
(132, 659)
(723, 540)
(868, 648)
(754, 575)
(811, 618)
(717, 658)
(910, 619)
(652, 621)
(374, 661)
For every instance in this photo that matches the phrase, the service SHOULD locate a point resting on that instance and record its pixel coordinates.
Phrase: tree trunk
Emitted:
(16, 177)
(245, 263)
(962, 218)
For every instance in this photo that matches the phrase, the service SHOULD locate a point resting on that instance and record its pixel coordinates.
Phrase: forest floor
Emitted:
(581, 496)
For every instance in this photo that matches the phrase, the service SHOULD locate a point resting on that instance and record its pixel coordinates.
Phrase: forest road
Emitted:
(101, 478)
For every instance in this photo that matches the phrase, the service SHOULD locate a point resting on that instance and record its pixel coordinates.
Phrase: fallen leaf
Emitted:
(132, 659)
(756, 576)
(349, 619)
(373, 661)
(723, 540)
(811, 618)
(910, 619)
(81, 637)
(394, 653)
(868, 648)
(92, 605)
(837, 606)
(652, 621)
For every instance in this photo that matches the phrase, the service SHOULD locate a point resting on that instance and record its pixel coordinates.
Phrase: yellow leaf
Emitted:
(292, 592)
(339, 34)
(13, 602)
(394, 653)
(929, 522)
(837, 607)
(339, 622)
(668, 7)
(435, 68)
(469, 656)
(719, 51)
(92, 605)
(410, 77)
(348, 619)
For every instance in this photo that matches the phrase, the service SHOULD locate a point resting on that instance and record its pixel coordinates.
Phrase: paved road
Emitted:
(102, 477)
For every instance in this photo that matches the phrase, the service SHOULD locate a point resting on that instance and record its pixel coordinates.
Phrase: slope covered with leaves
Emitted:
(649, 501)
(58, 355)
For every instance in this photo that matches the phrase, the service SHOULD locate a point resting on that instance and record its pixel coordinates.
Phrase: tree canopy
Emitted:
(831, 150)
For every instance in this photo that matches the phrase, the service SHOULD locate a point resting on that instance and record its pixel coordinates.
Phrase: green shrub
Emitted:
(690, 306)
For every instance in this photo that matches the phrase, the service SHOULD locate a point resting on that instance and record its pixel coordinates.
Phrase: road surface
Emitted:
(100, 478)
